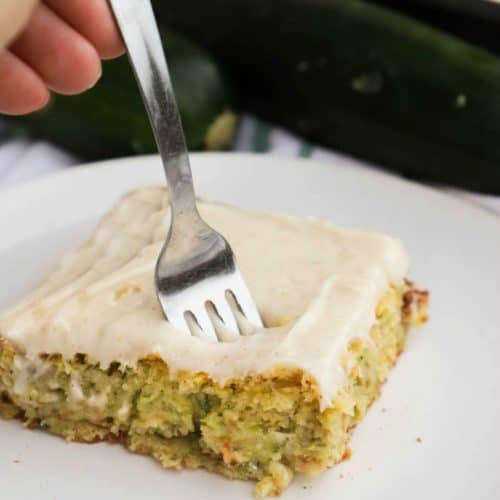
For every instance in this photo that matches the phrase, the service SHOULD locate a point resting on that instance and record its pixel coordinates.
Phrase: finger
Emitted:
(94, 20)
(13, 17)
(21, 89)
(67, 62)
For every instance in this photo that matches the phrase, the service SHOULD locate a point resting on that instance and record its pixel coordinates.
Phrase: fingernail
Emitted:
(98, 77)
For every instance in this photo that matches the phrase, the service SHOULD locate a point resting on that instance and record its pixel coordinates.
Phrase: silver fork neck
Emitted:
(140, 32)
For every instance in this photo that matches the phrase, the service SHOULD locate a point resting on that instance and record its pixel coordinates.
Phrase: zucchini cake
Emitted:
(89, 356)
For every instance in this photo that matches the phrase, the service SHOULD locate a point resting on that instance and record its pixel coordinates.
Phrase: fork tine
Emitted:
(192, 323)
(202, 318)
(244, 301)
(224, 321)
(246, 328)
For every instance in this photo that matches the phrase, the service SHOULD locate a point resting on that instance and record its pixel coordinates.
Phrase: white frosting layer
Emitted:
(323, 282)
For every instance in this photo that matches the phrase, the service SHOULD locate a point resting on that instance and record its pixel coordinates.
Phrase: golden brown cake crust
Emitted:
(263, 426)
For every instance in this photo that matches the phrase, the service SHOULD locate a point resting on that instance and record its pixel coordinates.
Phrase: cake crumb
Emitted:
(341, 476)
(419, 439)
(16, 461)
(384, 410)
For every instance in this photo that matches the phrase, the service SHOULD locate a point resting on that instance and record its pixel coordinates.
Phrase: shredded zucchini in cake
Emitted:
(264, 426)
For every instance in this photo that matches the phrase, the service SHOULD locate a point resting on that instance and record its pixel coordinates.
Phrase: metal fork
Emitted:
(197, 280)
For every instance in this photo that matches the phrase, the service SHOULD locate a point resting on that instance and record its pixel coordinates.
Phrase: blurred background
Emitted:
(408, 86)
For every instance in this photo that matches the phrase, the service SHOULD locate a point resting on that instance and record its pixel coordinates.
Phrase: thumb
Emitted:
(14, 14)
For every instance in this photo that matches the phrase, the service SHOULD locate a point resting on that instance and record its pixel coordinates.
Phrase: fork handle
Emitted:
(137, 23)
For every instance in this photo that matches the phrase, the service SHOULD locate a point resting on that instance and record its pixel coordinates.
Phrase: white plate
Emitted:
(445, 390)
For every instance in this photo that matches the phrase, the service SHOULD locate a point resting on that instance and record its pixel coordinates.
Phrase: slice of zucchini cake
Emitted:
(89, 356)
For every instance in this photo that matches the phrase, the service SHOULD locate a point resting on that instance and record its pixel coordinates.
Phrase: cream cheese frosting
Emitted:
(316, 286)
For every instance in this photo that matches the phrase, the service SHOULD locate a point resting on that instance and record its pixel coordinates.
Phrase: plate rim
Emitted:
(367, 171)
(487, 223)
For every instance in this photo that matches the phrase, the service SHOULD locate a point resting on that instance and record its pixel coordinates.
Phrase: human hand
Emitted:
(52, 45)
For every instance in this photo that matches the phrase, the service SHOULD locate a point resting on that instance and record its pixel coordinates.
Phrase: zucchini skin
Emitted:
(359, 78)
(110, 120)
(472, 21)
(485, 9)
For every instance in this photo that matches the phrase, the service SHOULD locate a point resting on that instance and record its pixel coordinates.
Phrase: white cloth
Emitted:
(21, 159)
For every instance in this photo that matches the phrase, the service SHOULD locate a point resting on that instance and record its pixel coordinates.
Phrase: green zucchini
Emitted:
(110, 120)
(360, 78)
(472, 21)
(485, 9)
